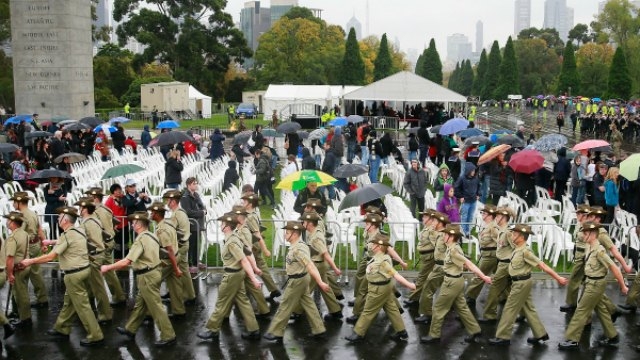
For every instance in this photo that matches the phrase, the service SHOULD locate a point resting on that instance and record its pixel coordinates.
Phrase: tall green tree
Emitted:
(454, 78)
(619, 79)
(491, 76)
(569, 81)
(369, 48)
(508, 81)
(5, 21)
(420, 64)
(618, 20)
(382, 66)
(593, 61)
(466, 78)
(432, 66)
(195, 37)
(481, 70)
(112, 74)
(539, 66)
(580, 34)
(352, 71)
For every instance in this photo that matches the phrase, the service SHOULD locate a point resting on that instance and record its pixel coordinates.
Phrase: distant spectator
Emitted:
(415, 183)
(467, 190)
(217, 145)
(561, 174)
(231, 176)
(611, 194)
(114, 203)
(145, 136)
(130, 143)
(55, 196)
(118, 137)
(444, 177)
(290, 168)
(308, 162)
(598, 184)
(103, 148)
(173, 170)
(449, 204)
(413, 147)
(192, 204)
(264, 173)
(257, 137)
(337, 143)
(329, 165)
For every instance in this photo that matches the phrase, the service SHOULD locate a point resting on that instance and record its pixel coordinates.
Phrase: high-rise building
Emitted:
(355, 24)
(104, 17)
(281, 7)
(254, 21)
(479, 36)
(558, 16)
(522, 16)
(458, 48)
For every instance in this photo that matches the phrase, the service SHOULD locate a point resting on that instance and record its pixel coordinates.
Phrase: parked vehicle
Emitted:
(247, 110)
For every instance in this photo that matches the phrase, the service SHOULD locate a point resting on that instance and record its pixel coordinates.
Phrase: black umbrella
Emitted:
(350, 170)
(43, 176)
(38, 134)
(302, 134)
(288, 127)
(512, 140)
(92, 121)
(72, 156)
(76, 126)
(7, 147)
(171, 138)
(364, 195)
(481, 139)
(435, 129)
(242, 137)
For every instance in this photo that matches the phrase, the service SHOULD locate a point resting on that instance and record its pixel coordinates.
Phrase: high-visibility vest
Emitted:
(579, 107)
(594, 108)
(604, 109)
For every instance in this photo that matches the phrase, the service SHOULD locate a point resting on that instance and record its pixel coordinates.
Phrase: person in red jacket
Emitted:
(114, 203)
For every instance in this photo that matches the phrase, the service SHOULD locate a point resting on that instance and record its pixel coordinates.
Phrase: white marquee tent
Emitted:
(199, 103)
(302, 99)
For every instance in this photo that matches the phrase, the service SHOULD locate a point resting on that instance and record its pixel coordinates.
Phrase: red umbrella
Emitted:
(590, 144)
(526, 161)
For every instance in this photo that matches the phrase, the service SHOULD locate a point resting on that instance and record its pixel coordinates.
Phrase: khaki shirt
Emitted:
(322, 227)
(317, 245)
(3, 253)
(437, 238)
(505, 247)
(368, 253)
(298, 258)
(579, 243)
(183, 227)
(380, 268)
(232, 252)
(166, 233)
(93, 230)
(245, 235)
(106, 219)
(424, 244)
(145, 251)
(454, 260)
(16, 245)
(31, 223)
(522, 261)
(604, 239)
(597, 262)
(489, 235)
(72, 249)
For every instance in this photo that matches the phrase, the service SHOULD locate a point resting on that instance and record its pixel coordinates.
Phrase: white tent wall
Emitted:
(301, 99)
(199, 103)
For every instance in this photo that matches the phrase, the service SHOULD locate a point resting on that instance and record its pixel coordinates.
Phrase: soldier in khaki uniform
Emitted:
(577, 273)
(488, 246)
(144, 256)
(31, 225)
(381, 278)
(231, 290)
(71, 251)
(435, 278)
(500, 285)
(519, 300)
(250, 201)
(597, 265)
(105, 215)
(452, 289)
(299, 267)
(8, 328)
(16, 249)
(181, 221)
(166, 234)
(95, 245)
(426, 249)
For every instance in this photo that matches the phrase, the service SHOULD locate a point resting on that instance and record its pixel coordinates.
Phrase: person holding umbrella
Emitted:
(55, 196)
(217, 145)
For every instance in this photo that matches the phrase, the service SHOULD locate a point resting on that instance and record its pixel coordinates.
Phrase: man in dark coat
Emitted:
(329, 165)
(310, 192)
(561, 174)
(118, 138)
(192, 204)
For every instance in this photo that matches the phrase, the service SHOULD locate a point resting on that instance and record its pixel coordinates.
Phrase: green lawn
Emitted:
(216, 121)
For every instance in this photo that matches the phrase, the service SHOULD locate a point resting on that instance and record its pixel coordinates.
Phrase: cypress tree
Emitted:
(383, 66)
(432, 67)
(569, 75)
(509, 82)
(466, 78)
(454, 78)
(481, 70)
(490, 80)
(619, 79)
(352, 71)
(419, 70)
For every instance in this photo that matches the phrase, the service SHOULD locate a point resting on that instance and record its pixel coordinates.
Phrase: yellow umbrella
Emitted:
(299, 179)
(153, 134)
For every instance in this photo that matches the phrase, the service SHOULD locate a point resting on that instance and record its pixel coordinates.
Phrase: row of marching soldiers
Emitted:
(84, 251)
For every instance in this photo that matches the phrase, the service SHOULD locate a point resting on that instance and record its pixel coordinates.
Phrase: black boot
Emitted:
(8, 330)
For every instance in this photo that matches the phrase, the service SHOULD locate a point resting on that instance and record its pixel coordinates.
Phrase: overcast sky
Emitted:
(414, 22)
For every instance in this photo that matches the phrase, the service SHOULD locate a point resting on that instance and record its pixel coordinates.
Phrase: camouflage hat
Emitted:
(157, 206)
(443, 218)
(374, 210)
(293, 225)
(310, 216)
(229, 218)
(14, 216)
(239, 210)
(172, 194)
(314, 203)
(583, 209)
(85, 202)
(380, 239)
(590, 226)
(95, 191)
(452, 230)
(139, 216)
(373, 218)
(489, 209)
(67, 210)
(597, 210)
(522, 228)
(21, 196)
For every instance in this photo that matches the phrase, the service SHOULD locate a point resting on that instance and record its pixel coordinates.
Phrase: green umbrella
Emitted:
(121, 170)
(299, 179)
(630, 166)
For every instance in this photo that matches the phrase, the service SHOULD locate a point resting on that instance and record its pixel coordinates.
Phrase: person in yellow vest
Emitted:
(127, 109)
(472, 113)
(231, 113)
(594, 108)
(579, 107)
(604, 109)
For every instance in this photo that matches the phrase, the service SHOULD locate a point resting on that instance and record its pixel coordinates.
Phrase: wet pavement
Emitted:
(33, 343)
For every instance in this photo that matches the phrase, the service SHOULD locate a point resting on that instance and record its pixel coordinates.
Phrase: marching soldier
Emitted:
(250, 201)
(380, 280)
(31, 225)
(166, 234)
(8, 328)
(488, 246)
(144, 256)
(452, 289)
(519, 300)
(426, 249)
(232, 290)
(435, 278)
(181, 221)
(16, 249)
(71, 251)
(105, 215)
(95, 246)
(299, 267)
(597, 263)
(577, 273)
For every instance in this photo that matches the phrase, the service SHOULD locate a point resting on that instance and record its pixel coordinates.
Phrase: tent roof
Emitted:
(195, 94)
(405, 86)
(298, 92)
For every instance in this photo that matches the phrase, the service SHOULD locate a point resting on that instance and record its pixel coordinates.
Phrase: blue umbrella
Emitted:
(338, 122)
(453, 126)
(18, 118)
(107, 128)
(119, 119)
(168, 124)
(596, 99)
(467, 133)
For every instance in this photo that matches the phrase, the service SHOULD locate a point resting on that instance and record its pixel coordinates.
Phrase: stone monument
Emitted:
(52, 57)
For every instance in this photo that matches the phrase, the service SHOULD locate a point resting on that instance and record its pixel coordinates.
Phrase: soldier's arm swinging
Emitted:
(39, 260)
(399, 278)
(173, 260)
(254, 265)
(331, 263)
(544, 267)
(311, 268)
(394, 255)
(473, 268)
(120, 264)
(247, 268)
(618, 275)
(616, 254)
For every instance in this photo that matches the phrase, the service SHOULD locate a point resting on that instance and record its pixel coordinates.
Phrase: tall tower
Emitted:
(557, 16)
(522, 16)
(479, 36)
(357, 27)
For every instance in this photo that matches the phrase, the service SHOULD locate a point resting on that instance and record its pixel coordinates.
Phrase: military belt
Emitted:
(595, 277)
(452, 276)
(1, 271)
(380, 283)
(144, 271)
(580, 249)
(439, 262)
(488, 248)
(521, 277)
(231, 270)
(34, 241)
(297, 276)
(68, 272)
(318, 262)
(424, 252)
(504, 260)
